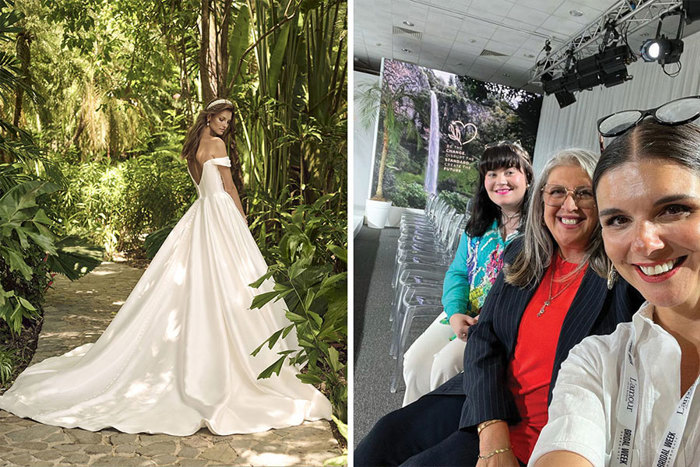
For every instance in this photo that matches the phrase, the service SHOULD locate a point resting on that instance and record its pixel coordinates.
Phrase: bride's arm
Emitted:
(229, 186)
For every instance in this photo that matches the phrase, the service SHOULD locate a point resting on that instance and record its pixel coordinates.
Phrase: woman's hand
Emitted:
(460, 324)
(504, 459)
(495, 436)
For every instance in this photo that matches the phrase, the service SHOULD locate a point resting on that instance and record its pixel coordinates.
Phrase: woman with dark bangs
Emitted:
(498, 210)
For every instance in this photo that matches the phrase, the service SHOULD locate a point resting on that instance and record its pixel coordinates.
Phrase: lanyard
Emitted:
(627, 405)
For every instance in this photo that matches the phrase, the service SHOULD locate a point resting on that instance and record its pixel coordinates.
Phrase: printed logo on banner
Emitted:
(459, 134)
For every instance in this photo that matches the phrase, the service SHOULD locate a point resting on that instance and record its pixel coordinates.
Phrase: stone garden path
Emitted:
(77, 313)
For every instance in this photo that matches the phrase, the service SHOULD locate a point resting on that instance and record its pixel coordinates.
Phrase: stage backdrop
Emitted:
(442, 124)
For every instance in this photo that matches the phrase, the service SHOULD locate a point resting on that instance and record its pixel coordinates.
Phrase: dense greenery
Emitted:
(103, 92)
(310, 274)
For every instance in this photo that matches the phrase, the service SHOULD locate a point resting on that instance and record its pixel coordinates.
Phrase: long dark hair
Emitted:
(189, 147)
(484, 211)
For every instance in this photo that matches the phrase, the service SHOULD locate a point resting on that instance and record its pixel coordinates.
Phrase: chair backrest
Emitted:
(456, 233)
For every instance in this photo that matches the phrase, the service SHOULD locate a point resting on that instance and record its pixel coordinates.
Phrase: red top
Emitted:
(533, 358)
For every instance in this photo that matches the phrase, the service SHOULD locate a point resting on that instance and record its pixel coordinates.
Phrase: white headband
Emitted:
(219, 101)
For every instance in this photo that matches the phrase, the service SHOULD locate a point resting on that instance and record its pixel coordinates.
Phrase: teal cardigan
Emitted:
(473, 271)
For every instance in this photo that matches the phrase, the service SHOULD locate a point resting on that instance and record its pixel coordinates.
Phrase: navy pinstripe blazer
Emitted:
(594, 310)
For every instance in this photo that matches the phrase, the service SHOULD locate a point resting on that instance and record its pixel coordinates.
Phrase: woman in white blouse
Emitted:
(628, 398)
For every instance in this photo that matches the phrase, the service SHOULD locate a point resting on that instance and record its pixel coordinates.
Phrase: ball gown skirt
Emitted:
(177, 355)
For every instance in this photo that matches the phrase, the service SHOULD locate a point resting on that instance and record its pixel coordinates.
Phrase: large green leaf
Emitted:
(274, 368)
(277, 58)
(17, 262)
(75, 262)
(239, 40)
(155, 240)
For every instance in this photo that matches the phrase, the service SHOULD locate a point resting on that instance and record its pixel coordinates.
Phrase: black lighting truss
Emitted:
(627, 16)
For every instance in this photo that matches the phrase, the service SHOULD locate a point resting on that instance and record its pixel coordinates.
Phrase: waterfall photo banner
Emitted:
(434, 127)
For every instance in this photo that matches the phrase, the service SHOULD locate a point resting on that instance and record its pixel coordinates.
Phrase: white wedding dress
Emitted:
(177, 355)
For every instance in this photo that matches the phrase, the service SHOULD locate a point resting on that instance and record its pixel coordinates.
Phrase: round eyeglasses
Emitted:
(555, 196)
(676, 112)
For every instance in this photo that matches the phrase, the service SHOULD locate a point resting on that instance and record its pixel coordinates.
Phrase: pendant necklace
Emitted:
(550, 298)
(505, 220)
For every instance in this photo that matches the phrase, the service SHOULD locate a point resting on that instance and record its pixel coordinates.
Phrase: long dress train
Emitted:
(177, 355)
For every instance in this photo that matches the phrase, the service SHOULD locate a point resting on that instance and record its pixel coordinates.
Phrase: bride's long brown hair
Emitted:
(189, 148)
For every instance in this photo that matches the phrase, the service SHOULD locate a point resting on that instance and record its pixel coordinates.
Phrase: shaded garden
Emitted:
(96, 99)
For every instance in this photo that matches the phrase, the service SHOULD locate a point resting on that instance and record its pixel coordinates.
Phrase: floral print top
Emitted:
(473, 271)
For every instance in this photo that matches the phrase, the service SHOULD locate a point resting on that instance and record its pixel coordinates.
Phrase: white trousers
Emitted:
(431, 360)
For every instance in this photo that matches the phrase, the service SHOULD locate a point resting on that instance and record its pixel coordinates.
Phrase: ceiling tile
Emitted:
(470, 44)
(527, 15)
(600, 5)
(561, 26)
(505, 48)
(589, 14)
(548, 6)
(438, 21)
(490, 8)
(473, 27)
(508, 35)
(452, 6)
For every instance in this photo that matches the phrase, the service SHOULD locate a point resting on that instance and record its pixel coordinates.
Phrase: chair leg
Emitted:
(401, 349)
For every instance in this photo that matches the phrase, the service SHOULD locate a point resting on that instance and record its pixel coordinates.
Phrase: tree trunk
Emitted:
(23, 54)
(379, 195)
(224, 56)
(185, 92)
(205, 71)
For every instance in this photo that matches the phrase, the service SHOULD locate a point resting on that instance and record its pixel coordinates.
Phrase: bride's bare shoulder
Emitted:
(209, 149)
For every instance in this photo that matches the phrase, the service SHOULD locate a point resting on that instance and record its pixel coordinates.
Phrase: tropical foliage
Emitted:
(96, 98)
(310, 275)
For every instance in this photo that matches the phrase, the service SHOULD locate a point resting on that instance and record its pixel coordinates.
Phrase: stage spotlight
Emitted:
(553, 86)
(614, 59)
(662, 49)
(565, 98)
(650, 51)
(613, 79)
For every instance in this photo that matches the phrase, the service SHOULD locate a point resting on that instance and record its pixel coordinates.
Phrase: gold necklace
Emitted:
(551, 298)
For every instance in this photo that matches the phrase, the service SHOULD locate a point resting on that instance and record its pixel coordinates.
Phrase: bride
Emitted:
(177, 355)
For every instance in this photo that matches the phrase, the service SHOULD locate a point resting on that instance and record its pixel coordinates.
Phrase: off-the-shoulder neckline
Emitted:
(225, 157)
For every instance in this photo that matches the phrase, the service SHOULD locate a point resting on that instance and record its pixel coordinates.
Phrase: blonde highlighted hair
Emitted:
(539, 245)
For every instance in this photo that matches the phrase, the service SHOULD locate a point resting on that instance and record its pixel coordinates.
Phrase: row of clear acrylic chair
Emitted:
(426, 247)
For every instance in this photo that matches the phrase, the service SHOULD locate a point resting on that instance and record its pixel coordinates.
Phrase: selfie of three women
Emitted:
(535, 301)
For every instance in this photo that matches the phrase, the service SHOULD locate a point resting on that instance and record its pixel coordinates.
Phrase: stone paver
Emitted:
(77, 313)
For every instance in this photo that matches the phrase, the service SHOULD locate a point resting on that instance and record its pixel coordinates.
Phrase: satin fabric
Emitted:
(177, 355)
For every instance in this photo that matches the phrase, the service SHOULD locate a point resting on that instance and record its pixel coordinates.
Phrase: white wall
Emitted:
(575, 125)
(363, 149)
